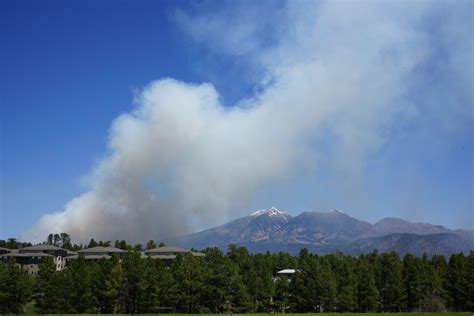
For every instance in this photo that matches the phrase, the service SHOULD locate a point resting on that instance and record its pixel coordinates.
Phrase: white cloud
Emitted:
(181, 160)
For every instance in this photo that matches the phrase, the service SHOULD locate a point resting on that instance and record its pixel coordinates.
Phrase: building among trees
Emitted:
(97, 253)
(286, 272)
(168, 253)
(31, 257)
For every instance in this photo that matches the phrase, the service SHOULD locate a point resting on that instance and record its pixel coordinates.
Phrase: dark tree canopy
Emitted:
(238, 281)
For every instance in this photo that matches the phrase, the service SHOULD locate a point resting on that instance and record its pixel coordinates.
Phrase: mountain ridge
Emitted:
(274, 230)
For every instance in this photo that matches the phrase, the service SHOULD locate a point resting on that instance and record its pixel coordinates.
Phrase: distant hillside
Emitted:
(315, 228)
(255, 228)
(441, 244)
(393, 225)
(324, 232)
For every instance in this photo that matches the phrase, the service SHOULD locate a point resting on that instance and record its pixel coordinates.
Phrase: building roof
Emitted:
(164, 257)
(90, 257)
(71, 253)
(96, 257)
(167, 249)
(5, 249)
(27, 254)
(169, 252)
(40, 248)
(286, 271)
(72, 257)
(99, 249)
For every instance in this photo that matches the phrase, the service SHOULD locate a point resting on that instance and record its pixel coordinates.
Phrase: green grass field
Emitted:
(347, 314)
(308, 314)
(350, 314)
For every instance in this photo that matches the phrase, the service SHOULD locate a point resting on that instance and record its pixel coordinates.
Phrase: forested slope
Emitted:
(243, 282)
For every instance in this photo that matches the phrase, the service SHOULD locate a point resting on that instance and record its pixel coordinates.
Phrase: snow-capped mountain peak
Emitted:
(334, 211)
(272, 211)
(322, 232)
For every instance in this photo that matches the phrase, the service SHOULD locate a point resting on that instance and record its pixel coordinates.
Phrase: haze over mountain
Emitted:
(322, 232)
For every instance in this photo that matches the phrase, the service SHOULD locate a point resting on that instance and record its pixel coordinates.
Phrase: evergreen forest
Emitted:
(241, 282)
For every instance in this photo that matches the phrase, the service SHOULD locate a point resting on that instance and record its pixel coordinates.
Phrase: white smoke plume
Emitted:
(342, 71)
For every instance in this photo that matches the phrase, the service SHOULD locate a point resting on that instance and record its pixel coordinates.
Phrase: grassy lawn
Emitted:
(309, 314)
(368, 314)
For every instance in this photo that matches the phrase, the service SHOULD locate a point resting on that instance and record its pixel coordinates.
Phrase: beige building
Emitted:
(97, 253)
(31, 257)
(168, 253)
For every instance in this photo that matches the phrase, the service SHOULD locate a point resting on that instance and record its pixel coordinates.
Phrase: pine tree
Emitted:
(413, 277)
(282, 293)
(391, 281)
(49, 239)
(122, 244)
(169, 292)
(81, 297)
(469, 276)
(346, 281)
(297, 287)
(15, 288)
(434, 295)
(107, 280)
(300, 286)
(457, 283)
(150, 245)
(314, 287)
(92, 243)
(224, 286)
(326, 287)
(45, 287)
(133, 269)
(367, 294)
(188, 273)
(65, 240)
(152, 277)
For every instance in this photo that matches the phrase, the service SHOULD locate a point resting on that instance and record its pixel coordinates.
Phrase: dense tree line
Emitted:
(12, 243)
(241, 282)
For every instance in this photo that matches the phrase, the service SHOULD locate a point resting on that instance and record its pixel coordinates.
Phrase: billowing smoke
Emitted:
(336, 76)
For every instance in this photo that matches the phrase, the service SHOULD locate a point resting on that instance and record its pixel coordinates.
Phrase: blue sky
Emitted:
(70, 68)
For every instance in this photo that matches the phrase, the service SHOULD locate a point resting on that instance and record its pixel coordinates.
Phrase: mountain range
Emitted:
(324, 232)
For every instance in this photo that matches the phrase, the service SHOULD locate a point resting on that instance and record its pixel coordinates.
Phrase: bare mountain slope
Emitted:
(257, 227)
(318, 228)
(323, 232)
(392, 225)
